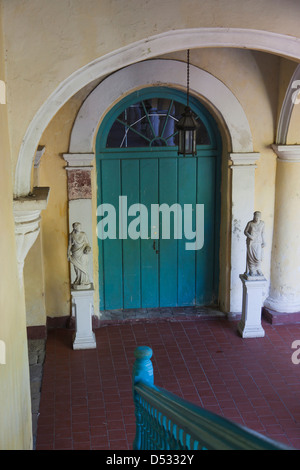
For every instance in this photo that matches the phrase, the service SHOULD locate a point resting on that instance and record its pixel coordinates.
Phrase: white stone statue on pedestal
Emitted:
(253, 280)
(78, 251)
(82, 288)
(254, 232)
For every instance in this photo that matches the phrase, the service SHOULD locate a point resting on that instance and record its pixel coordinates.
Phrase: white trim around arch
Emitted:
(170, 41)
(164, 73)
(287, 107)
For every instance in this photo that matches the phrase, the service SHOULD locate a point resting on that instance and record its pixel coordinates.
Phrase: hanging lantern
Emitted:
(187, 133)
(187, 125)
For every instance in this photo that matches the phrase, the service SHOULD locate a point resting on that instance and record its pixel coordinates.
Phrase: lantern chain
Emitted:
(188, 77)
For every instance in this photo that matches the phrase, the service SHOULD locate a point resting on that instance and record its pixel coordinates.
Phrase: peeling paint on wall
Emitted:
(79, 184)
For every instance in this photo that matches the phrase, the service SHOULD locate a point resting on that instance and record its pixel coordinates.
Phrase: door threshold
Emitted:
(203, 312)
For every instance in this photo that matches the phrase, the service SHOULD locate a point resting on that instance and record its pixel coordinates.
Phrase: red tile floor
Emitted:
(86, 399)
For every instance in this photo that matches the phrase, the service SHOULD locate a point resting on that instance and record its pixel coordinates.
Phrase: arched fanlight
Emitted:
(187, 126)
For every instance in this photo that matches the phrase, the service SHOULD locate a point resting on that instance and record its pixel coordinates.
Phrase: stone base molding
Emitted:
(281, 310)
(83, 301)
(36, 332)
(27, 215)
(250, 323)
(282, 304)
(280, 318)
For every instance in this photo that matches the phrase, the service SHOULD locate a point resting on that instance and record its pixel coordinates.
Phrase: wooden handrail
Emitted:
(165, 421)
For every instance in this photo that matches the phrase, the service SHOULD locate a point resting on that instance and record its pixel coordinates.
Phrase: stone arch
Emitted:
(290, 100)
(165, 73)
(284, 45)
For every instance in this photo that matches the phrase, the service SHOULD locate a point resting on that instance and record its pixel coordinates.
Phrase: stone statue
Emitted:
(254, 232)
(78, 250)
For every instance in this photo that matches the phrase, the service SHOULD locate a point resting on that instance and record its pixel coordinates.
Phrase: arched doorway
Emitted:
(154, 256)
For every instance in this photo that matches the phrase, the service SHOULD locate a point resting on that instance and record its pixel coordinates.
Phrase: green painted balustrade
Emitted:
(167, 422)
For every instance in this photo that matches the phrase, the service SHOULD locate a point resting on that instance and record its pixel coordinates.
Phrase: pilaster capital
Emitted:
(78, 160)
(244, 159)
(287, 153)
(35, 201)
(27, 215)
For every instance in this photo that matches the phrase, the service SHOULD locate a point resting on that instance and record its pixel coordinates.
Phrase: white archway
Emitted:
(171, 41)
(218, 98)
(287, 107)
(159, 72)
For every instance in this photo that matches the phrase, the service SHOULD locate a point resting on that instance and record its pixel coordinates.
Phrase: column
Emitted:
(242, 208)
(80, 196)
(80, 210)
(283, 303)
(27, 215)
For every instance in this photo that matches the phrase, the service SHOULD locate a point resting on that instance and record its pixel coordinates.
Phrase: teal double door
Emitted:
(148, 259)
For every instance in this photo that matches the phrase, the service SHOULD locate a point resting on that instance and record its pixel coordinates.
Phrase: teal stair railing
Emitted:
(167, 422)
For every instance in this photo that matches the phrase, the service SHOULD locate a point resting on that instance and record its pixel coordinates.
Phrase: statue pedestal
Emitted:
(82, 300)
(250, 323)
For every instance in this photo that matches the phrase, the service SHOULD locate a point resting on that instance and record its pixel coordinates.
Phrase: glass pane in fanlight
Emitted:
(151, 123)
(202, 137)
(115, 135)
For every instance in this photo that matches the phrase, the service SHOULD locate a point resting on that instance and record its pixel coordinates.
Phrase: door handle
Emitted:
(154, 248)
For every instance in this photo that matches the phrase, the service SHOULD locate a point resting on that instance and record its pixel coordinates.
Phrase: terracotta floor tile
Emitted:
(82, 445)
(86, 400)
(63, 444)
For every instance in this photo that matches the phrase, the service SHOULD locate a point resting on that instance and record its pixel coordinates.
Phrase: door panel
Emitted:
(149, 257)
(131, 248)
(205, 266)
(168, 258)
(186, 258)
(145, 273)
(138, 159)
(110, 251)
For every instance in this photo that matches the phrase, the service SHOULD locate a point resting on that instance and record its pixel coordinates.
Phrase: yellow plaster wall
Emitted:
(86, 29)
(293, 137)
(54, 224)
(44, 42)
(15, 406)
